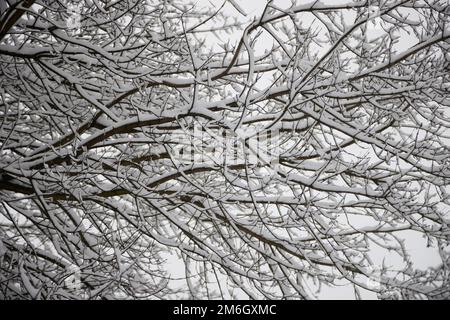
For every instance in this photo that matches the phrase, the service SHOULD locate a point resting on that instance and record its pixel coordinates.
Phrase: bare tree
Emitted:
(98, 199)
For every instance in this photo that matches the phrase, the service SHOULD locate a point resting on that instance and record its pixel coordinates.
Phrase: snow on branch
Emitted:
(167, 149)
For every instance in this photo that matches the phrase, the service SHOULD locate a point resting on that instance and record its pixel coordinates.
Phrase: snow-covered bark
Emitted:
(94, 197)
